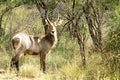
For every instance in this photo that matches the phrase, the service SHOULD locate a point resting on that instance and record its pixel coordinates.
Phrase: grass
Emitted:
(58, 68)
(63, 63)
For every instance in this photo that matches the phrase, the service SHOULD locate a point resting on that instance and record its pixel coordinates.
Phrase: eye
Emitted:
(52, 31)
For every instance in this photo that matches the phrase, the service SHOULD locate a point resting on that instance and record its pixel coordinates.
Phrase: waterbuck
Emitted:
(35, 45)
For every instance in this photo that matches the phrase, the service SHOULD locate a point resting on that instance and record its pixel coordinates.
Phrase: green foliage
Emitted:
(3, 0)
(113, 40)
(51, 4)
(106, 4)
(17, 1)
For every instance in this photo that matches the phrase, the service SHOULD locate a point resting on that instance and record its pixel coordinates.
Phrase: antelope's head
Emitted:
(52, 25)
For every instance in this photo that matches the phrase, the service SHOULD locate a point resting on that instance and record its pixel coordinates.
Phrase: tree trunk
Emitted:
(94, 24)
(81, 43)
(41, 5)
(76, 34)
(44, 23)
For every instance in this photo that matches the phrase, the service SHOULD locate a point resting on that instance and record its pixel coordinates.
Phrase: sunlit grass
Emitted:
(29, 70)
(71, 71)
(58, 68)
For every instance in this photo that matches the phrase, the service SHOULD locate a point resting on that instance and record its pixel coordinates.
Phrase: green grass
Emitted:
(60, 66)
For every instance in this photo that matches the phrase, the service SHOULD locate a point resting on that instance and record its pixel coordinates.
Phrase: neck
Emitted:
(52, 39)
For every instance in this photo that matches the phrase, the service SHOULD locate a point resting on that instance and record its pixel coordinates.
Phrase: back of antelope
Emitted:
(34, 45)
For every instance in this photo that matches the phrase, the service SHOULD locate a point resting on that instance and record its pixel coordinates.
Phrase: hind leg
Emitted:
(15, 61)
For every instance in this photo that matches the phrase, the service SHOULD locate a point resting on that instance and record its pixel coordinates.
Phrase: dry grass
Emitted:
(56, 70)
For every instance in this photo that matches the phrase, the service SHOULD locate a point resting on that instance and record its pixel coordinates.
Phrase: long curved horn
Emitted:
(49, 22)
(47, 18)
(57, 18)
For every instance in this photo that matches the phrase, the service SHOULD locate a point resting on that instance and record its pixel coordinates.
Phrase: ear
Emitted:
(57, 23)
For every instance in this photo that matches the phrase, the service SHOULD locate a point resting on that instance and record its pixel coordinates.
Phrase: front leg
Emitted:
(42, 62)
